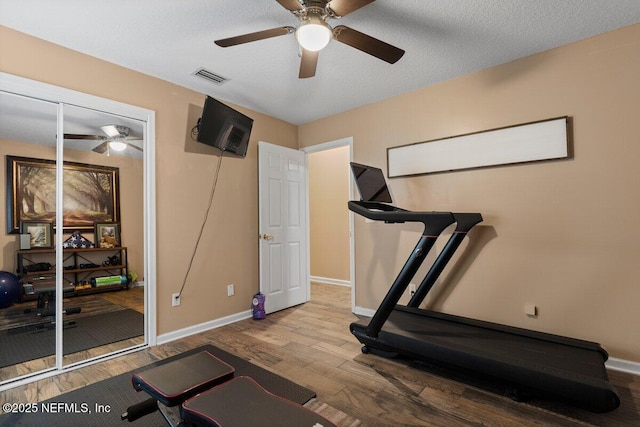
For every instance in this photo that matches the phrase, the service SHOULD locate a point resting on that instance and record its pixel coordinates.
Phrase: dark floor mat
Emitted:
(102, 403)
(34, 342)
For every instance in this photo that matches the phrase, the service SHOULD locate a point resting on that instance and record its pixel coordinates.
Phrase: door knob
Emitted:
(266, 236)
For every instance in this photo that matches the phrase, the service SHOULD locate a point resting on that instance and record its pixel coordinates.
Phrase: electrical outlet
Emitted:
(531, 309)
(412, 288)
(175, 300)
(230, 290)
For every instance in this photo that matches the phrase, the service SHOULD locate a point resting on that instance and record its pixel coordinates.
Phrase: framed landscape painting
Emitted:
(91, 193)
(39, 233)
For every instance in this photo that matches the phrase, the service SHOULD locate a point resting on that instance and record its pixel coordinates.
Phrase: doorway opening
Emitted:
(331, 246)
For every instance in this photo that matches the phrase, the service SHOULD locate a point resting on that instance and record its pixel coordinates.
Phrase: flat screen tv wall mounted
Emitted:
(224, 128)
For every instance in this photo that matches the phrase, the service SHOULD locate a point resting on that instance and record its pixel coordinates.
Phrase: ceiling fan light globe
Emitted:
(117, 145)
(313, 36)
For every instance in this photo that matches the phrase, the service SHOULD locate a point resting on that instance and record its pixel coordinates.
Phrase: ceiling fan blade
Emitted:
(291, 5)
(308, 63)
(135, 147)
(79, 136)
(102, 148)
(252, 37)
(113, 130)
(344, 7)
(368, 44)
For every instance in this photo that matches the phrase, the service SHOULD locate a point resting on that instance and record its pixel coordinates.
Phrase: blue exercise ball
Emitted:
(9, 289)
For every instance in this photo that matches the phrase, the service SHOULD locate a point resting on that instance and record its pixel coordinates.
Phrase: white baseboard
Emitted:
(361, 311)
(623, 366)
(328, 281)
(203, 327)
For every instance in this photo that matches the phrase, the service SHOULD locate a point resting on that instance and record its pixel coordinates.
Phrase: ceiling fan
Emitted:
(314, 32)
(116, 138)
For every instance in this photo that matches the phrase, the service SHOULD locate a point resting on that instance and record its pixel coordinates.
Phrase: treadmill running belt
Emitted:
(573, 372)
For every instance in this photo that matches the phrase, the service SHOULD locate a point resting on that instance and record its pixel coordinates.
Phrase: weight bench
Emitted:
(209, 395)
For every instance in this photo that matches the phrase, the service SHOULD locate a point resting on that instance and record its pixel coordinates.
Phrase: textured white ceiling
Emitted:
(443, 39)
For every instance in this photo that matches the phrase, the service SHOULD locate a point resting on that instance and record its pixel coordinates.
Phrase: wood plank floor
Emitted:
(311, 345)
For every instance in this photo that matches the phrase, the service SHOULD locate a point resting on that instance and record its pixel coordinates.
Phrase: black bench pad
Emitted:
(174, 382)
(242, 402)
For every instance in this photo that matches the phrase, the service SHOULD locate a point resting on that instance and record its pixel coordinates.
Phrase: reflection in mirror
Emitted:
(102, 240)
(103, 196)
(27, 288)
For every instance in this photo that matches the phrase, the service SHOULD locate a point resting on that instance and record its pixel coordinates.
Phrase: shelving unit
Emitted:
(74, 273)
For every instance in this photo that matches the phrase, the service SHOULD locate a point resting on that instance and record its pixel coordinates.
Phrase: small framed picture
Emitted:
(40, 232)
(107, 235)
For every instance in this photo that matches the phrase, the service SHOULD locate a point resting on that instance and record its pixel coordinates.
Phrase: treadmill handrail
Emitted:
(434, 224)
(465, 222)
(392, 214)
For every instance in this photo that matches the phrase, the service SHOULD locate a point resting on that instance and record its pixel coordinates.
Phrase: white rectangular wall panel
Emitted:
(543, 140)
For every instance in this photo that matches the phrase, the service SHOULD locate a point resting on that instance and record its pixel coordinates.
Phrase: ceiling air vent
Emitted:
(211, 76)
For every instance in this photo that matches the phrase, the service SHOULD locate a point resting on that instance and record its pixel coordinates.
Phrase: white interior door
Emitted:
(283, 226)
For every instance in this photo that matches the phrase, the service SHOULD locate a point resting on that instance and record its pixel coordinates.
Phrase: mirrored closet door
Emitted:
(102, 238)
(28, 128)
(76, 266)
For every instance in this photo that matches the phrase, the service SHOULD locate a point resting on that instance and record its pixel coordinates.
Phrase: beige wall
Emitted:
(328, 219)
(228, 251)
(563, 235)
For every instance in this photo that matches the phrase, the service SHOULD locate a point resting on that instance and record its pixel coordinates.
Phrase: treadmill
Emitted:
(526, 361)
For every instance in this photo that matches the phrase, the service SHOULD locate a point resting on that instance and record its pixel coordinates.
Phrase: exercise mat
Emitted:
(32, 342)
(102, 403)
